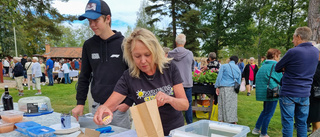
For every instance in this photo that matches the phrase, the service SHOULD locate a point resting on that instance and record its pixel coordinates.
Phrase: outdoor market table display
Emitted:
(199, 89)
(54, 118)
(72, 73)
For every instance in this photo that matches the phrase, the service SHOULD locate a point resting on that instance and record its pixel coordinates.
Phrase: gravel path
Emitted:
(9, 83)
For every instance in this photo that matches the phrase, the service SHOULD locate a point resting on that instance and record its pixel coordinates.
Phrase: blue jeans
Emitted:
(66, 78)
(49, 72)
(294, 108)
(188, 113)
(264, 119)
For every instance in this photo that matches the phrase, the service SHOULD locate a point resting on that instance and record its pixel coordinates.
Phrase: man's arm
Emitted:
(281, 65)
(83, 82)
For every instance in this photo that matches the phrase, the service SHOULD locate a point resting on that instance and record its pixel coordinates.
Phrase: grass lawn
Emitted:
(63, 100)
(62, 96)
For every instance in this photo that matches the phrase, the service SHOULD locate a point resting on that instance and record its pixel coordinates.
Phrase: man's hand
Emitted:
(123, 107)
(77, 111)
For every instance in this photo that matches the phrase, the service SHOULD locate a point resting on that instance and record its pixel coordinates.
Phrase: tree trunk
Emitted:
(314, 19)
(174, 29)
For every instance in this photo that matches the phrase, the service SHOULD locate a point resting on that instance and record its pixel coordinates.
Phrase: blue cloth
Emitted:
(66, 78)
(225, 78)
(188, 113)
(49, 63)
(265, 116)
(107, 129)
(300, 64)
(296, 108)
(76, 65)
(241, 66)
(49, 72)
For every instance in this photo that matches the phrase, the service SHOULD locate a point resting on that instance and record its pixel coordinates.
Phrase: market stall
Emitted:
(53, 120)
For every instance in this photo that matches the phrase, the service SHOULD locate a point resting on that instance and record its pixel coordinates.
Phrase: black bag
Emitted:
(274, 92)
(316, 92)
(236, 84)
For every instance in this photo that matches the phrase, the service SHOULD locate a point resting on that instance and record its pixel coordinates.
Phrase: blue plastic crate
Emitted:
(23, 126)
(42, 131)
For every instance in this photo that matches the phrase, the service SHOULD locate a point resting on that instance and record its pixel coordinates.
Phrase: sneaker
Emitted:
(264, 135)
(38, 93)
(248, 94)
(256, 131)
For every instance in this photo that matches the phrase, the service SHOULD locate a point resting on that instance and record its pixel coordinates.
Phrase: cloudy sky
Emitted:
(124, 12)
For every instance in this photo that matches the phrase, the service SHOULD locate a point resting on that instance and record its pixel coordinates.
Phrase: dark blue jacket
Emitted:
(300, 64)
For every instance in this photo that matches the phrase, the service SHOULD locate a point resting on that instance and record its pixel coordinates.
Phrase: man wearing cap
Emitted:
(102, 63)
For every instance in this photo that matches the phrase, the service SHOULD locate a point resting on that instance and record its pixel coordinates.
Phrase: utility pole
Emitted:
(15, 39)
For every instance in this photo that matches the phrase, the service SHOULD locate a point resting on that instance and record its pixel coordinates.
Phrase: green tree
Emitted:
(314, 19)
(35, 22)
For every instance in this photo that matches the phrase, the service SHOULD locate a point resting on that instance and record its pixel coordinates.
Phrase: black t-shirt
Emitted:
(146, 87)
(214, 64)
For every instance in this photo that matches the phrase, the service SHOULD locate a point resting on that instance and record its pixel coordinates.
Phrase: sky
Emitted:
(124, 12)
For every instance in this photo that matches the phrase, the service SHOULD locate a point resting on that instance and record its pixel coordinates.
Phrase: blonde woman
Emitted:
(150, 76)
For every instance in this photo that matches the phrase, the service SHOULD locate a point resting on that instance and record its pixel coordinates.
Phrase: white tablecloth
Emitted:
(54, 118)
(72, 73)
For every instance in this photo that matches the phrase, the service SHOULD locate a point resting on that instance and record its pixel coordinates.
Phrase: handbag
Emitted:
(316, 92)
(274, 92)
(236, 84)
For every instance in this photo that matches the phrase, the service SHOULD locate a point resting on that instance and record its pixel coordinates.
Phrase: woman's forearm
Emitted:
(180, 104)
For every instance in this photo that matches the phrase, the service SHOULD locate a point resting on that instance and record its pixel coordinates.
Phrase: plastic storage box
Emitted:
(207, 128)
(23, 126)
(6, 127)
(11, 116)
(35, 104)
(42, 131)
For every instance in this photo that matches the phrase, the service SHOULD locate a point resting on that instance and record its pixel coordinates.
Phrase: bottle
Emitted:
(7, 99)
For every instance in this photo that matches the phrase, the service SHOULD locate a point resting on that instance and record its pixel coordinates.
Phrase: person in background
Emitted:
(43, 71)
(6, 66)
(103, 64)
(213, 64)
(28, 67)
(249, 74)
(66, 69)
(23, 62)
(314, 108)
(166, 51)
(241, 65)
(72, 64)
(49, 67)
(299, 65)
(18, 72)
(262, 79)
(263, 59)
(149, 70)
(36, 74)
(227, 107)
(76, 64)
(69, 64)
(183, 59)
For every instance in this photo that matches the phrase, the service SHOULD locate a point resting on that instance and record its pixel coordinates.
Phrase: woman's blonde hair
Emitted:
(151, 42)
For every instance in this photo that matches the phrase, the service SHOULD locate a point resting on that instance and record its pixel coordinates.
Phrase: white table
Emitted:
(54, 118)
(73, 73)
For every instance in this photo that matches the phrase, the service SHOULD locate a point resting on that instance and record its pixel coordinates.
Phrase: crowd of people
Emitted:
(151, 72)
(31, 72)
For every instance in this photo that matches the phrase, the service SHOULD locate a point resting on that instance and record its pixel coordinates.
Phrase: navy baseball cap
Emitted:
(94, 9)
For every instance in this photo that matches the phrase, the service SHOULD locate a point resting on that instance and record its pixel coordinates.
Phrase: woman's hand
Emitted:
(102, 112)
(217, 91)
(162, 98)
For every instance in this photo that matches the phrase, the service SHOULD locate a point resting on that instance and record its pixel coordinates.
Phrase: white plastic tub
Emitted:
(207, 128)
